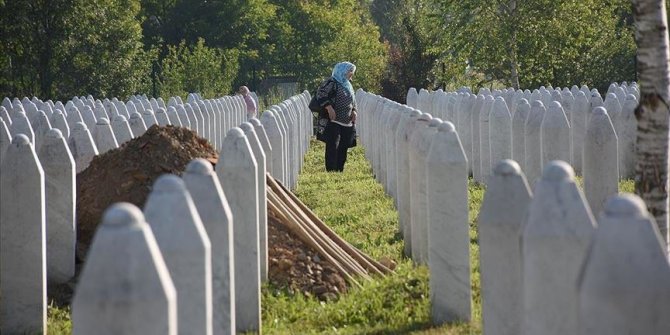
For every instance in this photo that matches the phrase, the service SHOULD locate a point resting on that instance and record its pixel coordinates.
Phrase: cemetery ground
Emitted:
(354, 205)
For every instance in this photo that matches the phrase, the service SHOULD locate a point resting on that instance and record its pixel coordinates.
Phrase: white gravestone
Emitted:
(58, 121)
(265, 142)
(149, 118)
(555, 135)
(600, 169)
(402, 158)
(533, 163)
(484, 139)
(419, 144)
(121, 129)
(137, 125)
(23, 307)
(500, 135)
(60, 196)
(519, 132)
(448, 238)
(4, 114)
(162, 117)
(174, 117)
(21, 125)
(184, 244)
(476, 139)
(275, 137)
(5, 139)
(501, 220)
(578, 123)
(183, 116)
(554, 243)
(627, 138)
(259, 155)
(412, 97)
(88, 116)
(624, 287)
(237, 171)
(82, 146)
(124, 278)
(103, 135)
(212, 205)
(40, 127)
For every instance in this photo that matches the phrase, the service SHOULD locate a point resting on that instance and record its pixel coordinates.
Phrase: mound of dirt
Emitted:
(296, 267)
(127, 173)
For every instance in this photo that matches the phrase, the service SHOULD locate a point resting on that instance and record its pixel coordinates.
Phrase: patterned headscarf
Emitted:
(340, 74)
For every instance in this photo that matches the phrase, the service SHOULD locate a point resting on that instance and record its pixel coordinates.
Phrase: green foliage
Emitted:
(59, 320)
(547, 42)
(197, 68)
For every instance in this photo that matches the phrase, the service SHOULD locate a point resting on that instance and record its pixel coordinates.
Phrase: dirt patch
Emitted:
(128, 173)
(296, 267)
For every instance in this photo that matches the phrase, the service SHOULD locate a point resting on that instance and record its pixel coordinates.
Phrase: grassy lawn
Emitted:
(355, 206)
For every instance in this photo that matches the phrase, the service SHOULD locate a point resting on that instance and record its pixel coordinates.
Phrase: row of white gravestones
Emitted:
(568, 275)
(57, 181)
(536, 134)
(421, 163)
(471, 114)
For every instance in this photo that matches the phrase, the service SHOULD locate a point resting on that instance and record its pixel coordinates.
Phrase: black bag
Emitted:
(320, 129)
(353, 137)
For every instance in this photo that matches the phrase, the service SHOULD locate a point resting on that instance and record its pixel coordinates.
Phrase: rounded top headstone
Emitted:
(21, 140)
(507, 167)
(120, 118)
(102, 122)
(625, 206)
(599, 111)
(256, 122)
(446, 126)
(54, 133)
(247, 127)
(168, 183)
(122, 214)
(558, 171)
(79, 126)
(235, 133)
(537, 103)
(415, 113)
(135, 115)
(199, 166)
(425, 117)
(555, 105)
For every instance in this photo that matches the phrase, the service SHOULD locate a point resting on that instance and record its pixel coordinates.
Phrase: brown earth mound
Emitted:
(127, 173)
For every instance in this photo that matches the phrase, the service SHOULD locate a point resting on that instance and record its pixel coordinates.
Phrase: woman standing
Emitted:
(337, 95)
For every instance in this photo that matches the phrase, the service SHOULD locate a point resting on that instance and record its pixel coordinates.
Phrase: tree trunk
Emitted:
(514, 67)
(652, 113)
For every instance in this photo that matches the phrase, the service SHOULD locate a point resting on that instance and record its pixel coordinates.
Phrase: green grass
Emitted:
(355, 206)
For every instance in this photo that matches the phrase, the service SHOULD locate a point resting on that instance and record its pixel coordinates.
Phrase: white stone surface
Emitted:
(519, 132)
(137, 125)
(534, 142)
(121, 129)
(265, 143)
(476, 139)
(275, 137)
(58, 121)
(60, 197)
(554, 243)
(259, 156)
(600, 169)
(555, 135)
(419, 143)
(624, 287)
(501, 220)
(41, 126)
(484, 139)
(162, 117)
(5, 139)
(578, 123)
(464, 126)
(627, 137)
(124, 278)
(447, 217)
(82, 146)
(183, 116)
(174, 117)
(23, 307)
(500, 134)
(212, 205)
(403, 135)
(149, 118)
(237, 171)
(103, 135)
(412, 97)
(184, 244)
(21, 125)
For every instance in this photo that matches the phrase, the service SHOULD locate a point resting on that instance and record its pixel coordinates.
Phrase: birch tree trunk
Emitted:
(651, 172)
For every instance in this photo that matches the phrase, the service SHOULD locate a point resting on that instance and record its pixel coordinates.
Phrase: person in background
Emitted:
(337, 95)
(252, 110)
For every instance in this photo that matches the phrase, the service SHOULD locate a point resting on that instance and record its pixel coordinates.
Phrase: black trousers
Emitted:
(338, 140)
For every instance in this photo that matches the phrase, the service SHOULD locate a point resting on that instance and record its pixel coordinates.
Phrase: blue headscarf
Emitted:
(340, 74)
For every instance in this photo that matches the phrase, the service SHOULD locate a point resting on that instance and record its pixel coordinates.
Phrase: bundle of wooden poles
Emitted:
(287, 209)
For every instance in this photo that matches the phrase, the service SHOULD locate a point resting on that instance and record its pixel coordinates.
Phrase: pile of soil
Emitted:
(128, 173)
(294, 266)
